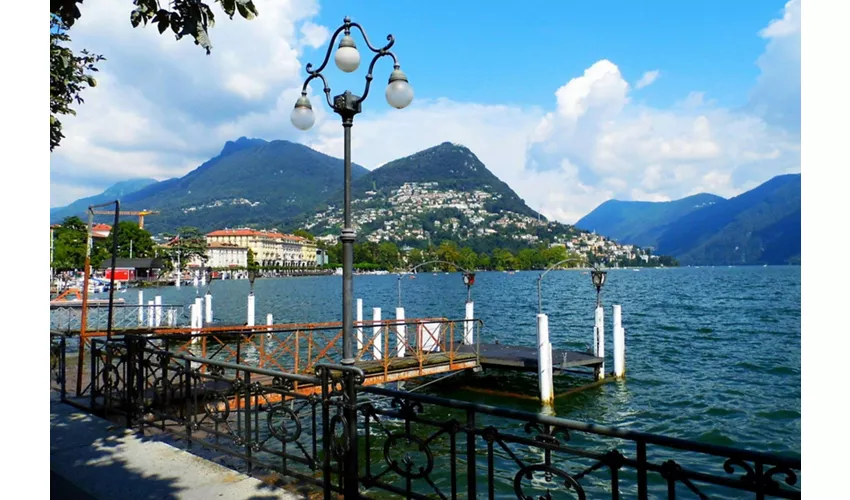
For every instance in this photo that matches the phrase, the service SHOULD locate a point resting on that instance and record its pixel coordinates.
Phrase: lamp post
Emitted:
(598, 277)
(347, 105)
(468, 280)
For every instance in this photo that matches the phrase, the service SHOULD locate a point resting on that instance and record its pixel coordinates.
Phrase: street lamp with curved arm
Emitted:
(347, 105)
(544, 273)
(468, 277)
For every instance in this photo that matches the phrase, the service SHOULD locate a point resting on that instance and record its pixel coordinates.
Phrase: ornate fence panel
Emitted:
(368, 441)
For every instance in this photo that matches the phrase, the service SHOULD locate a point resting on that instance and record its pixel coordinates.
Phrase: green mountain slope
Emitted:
(251, 182)
(118, 191)
(641, 222)
(761, 226)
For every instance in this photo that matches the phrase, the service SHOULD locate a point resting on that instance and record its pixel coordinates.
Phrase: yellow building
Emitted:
(269, 248)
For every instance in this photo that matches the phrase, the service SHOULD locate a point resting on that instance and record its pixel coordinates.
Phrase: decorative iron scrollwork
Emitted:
(282, 383)
(216, 407)
(407, 409)
(749, 474)
(790, 476)
(550, 437)
(549, 473)
(407, 466)
(278, 418)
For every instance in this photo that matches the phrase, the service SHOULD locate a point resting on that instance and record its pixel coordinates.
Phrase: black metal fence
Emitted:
(331, 432)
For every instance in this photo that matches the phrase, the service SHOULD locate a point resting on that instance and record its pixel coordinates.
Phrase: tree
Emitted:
(304, 234)
(388, 257)
(70, 73)
(130, 236)
(253, 265)
(69, 246)
(188, 243)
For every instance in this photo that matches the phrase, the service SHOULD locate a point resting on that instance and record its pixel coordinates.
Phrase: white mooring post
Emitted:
(269, 323)
(599, 338)
(150, 314)
(203, 279)
(469, 325)
(208, 308)
(400, 332)
(195, 279)
(157, 314)
(199, 305)
(250, 319)
(169, 317)
(619, 343)
(378, 344)
(544, 361)
(359, 325)
(141, 308)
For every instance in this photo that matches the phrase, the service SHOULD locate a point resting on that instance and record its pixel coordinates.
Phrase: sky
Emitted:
(570, 103)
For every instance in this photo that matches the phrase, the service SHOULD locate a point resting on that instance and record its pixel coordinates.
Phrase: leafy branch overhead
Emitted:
(188, 17)
(70, 73)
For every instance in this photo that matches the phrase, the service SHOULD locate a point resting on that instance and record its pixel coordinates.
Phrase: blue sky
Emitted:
(570, 103)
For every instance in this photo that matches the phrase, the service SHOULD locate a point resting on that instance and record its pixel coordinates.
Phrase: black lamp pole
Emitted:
(347, 105)
(598, 277)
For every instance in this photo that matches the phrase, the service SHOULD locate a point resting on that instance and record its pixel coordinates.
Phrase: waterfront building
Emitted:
(270, 248)
(225, 255)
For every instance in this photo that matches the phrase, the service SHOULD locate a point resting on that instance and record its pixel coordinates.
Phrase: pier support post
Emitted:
(250, 319)
(203, 279)
(359, 325)
(269, 323)
(177, 275)
(468, 325)
(195, 279)
(169, 317)
(400, 332)
(150, 314)
(378, 343)
(157, 313)
(199, 305)
(196, 321)
(141, 308)
(208, 309)
(619, 344)
(599, 342)
(544, 361)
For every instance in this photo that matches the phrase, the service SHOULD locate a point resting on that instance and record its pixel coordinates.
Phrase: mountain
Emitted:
(761, 226)
(118, 191)
(251, 182)
(641, 222)
(441, 193)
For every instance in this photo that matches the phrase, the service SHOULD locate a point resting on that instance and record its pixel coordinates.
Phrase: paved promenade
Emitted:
(91, 458)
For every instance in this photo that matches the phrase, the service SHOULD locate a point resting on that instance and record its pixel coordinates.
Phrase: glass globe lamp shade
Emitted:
(399, 92)
(302, 115)
(347, 58)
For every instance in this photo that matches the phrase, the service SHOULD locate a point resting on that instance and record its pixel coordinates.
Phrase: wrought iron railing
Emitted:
(368, 441)
(57, 363)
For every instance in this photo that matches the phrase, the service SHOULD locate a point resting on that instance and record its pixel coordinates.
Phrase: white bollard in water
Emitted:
(359, 326)
(169, 317)
(195, 279)
(208, 307)
(157, 313)
(599, 336)
(400, 332)
(619, 343)
(544, 361)
(141, 308)
(250, 319)
(378, 344)
(177, 278)
(469, 325)
(199, 305)
(269, 322)
(203, 279)
(150, 314)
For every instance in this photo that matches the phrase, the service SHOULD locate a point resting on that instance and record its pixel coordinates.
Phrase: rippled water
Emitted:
(712, 354)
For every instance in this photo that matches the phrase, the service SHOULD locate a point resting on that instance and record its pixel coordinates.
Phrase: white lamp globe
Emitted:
(302, 115)
(347, 57)
(399, 92)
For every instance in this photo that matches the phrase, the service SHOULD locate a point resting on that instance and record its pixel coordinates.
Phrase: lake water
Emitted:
(711, 353)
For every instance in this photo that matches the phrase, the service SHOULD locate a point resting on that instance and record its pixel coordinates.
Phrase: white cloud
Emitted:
(164, 107)
(647, 79)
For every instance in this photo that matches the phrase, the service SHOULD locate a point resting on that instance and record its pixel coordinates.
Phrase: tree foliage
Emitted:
(188, 243)
(71, 73)
(130, 237)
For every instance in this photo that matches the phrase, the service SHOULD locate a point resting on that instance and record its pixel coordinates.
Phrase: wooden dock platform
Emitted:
(525, 357)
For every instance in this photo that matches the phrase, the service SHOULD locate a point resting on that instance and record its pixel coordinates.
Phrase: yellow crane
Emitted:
(140, 213)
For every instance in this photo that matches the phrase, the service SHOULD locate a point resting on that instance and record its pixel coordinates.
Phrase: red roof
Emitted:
(101, 227)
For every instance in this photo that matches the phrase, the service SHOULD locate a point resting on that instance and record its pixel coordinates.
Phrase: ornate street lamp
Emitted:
(598, 277)
(398, 93)
(468, 280)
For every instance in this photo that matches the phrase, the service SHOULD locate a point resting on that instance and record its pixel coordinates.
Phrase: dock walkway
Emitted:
(94, 459)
